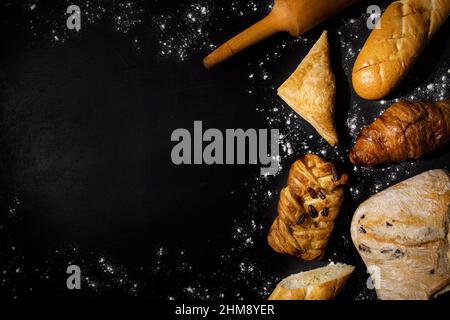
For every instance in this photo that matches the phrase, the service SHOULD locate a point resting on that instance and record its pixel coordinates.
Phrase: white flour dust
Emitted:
(123, 15)
(182, 33)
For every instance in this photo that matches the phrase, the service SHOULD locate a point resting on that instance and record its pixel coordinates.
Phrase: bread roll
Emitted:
(406, 130)
(390, 51)
(318, 284)
(403, 232)
(307, 208)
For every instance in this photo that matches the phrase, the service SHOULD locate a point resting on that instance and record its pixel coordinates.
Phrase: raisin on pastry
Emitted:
(307, 208)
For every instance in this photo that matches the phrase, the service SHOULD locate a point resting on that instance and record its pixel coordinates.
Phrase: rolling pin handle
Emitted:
(254, 34)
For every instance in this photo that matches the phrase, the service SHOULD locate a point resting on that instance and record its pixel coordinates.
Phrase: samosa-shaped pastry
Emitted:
(311, 90)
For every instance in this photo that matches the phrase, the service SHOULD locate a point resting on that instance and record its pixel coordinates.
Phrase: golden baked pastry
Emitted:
(406, 130)
(310, 91)
(307, 208)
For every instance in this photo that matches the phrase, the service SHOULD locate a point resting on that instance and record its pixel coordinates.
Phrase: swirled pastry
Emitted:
(307, 208)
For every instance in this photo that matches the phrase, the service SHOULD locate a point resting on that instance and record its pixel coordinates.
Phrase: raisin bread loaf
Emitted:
(403, 232)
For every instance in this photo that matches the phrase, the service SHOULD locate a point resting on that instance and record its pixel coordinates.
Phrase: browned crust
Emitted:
(322, 291)
(404, 232)
(406, 130)
(313, 195)
(391, 50)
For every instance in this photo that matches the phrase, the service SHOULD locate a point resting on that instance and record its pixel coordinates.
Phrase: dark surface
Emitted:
(85, 163)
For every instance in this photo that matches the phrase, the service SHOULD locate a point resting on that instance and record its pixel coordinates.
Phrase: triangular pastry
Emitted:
(311, 90)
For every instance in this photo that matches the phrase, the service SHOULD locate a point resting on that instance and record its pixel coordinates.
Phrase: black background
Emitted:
(85, 167)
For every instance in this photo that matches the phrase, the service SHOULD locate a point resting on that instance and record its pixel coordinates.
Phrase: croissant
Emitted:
(307, 208)
(406, 130)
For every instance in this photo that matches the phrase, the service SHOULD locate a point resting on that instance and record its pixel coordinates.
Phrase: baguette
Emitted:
(391, 50)
(403, 232)
(319, 284)
(406, 130)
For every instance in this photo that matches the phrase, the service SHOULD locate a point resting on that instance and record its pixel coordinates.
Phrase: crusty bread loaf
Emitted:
(406, 130)
(403, 232)
(390, 51)
(319, 284)
(308, 206)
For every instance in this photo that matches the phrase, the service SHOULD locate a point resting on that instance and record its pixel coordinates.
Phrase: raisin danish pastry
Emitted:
(307, 208)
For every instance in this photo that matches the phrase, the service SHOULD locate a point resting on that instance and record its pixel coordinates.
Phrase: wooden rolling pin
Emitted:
(293, 16)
